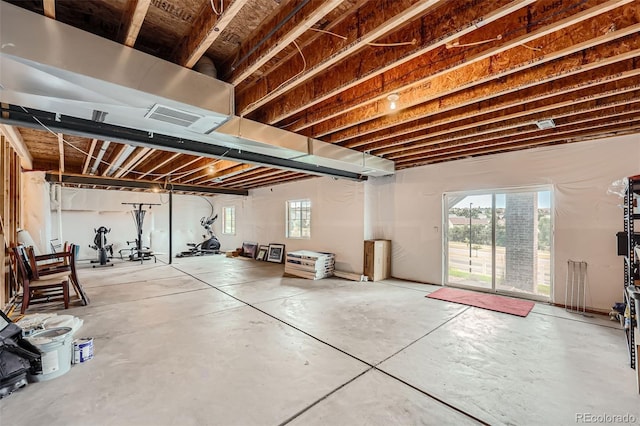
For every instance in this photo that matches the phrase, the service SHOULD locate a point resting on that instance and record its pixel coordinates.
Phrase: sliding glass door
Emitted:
(499, 241)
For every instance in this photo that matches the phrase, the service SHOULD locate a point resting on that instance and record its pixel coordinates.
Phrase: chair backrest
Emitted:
(21, 264)
(31, 256)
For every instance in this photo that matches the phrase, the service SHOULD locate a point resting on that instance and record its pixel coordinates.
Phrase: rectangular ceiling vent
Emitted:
(545, 124)
(172, 116)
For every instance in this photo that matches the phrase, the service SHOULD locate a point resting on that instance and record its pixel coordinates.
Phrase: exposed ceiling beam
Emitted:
(296, 18)
(61, 152)
(137, 184)
(476, 69)
(210, 169)
(140, 155)
(16, 141)
(98, 159)
(457, 67)
(574, 102)
(509, 144)
(179, 167)
(567, 62)
(134, 14)
(321, 55)
(49, 7)
(590, 112)
(226, 173)
(120, 154)
(352, 78)
(206, 29)
(470, 115)
(170, 157)
(87, 160)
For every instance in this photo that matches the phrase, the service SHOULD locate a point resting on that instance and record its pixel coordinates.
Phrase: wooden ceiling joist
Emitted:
(61, 152)
(49, 7)
(379, 64)
(215, 168)
(618, 112)
(140, 154)
(444, 70)
(175, 169)
(368, 24)
(115, 157)
(132, 20)
(207, 27)
(160, 163)
(563, 67)
(269, 42)
(615, 107)
(466, 78)
(220, 175)
(537, 100)
(137, 184)
(16, 141)
(89, 157)
(542, 139)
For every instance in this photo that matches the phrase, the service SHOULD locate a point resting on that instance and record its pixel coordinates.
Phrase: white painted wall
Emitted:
(409, 208)
(35, 208)
(406, 208)
(337, 212)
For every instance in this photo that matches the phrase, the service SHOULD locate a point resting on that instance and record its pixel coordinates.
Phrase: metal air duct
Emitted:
(50, 68)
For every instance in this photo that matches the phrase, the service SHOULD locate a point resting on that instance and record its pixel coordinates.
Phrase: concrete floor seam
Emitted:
(319, 400)
(356, 358)
(423, 336)
(615, 327)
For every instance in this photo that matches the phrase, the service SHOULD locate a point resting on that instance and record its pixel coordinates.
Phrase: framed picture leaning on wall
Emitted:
(275, 253)
(262, 253)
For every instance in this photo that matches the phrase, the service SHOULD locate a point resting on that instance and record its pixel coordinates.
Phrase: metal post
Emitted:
(170, 226)
(470, 205)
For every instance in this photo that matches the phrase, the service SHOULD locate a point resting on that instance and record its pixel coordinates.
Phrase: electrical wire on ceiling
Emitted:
(456, 43)
(213, 6)
(304, 68)
(175, 176)
(402, 43)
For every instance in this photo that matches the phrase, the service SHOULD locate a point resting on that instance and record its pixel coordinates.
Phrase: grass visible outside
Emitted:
(466, 275)
(541, 289)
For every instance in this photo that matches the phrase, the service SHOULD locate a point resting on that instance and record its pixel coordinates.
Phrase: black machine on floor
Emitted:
(139, 252)
(17, 357)
(105, 251)
(209, 246)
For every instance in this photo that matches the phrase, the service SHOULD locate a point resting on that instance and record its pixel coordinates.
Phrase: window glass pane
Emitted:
(298, 219)
(500, 241)
(229, 220)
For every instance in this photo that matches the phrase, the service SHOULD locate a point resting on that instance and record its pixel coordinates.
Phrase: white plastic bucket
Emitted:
(56, 347)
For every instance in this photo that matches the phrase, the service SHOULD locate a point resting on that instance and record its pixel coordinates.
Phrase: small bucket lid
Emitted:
(50, 335)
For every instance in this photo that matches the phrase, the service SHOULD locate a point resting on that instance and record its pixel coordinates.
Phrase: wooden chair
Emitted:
(36, 289)
(60, 262)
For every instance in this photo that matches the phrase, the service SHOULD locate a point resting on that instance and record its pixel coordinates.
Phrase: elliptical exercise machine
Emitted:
(101, 246)
(208, 246)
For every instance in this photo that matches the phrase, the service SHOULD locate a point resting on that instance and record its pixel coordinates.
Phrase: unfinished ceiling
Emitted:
(466, 78)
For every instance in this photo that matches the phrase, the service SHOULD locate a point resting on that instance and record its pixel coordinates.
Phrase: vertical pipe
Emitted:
(170, 226)
(470, 205)
(59, 212)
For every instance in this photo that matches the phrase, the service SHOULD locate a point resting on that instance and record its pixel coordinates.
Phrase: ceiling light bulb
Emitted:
(211, 170)
(393, 98)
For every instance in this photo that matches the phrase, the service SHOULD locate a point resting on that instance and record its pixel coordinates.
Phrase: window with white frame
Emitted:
(229, 221)
(299, 219)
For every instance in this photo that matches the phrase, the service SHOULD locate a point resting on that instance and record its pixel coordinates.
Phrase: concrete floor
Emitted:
(214, 340)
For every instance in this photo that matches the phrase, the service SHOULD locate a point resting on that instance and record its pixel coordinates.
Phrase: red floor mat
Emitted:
(484, 301)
